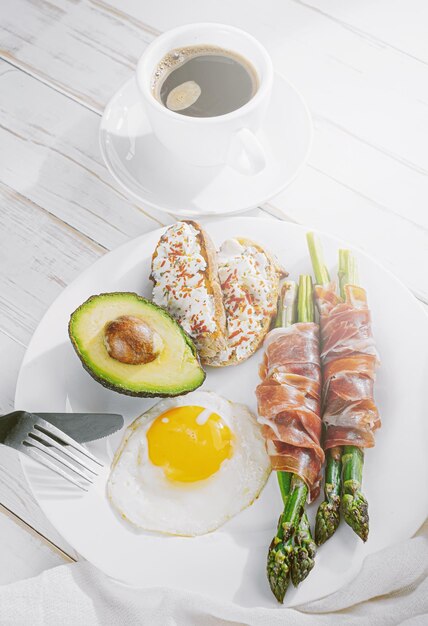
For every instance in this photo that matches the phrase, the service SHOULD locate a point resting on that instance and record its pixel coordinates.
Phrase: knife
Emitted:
(82, 427)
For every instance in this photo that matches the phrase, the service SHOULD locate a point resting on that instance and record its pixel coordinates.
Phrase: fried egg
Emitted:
(188, 465)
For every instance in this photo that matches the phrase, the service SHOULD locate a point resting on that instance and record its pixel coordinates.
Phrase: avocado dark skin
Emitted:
(123, 389)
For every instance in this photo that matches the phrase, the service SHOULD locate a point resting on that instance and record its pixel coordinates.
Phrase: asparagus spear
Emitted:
(278, 562)
(322, 277)
(287, 305)
(279, 554)
(354, 505)
(284, 558)
(303, 555)
(328, 514)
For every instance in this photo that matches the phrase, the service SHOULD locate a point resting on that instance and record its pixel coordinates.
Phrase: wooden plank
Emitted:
(17, 498)
(365, 50)
(15, 494)
(397, 24)
(23, 554)
(388, 180)
(344, 211)
(50, 155)
(39, 256)
(12, 353)
(65, 556)
(86, 50)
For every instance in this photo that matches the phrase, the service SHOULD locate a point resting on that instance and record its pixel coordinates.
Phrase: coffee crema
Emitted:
(204, 81)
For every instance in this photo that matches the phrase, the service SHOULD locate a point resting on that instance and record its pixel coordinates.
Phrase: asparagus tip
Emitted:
(278, 565)
(354, 504)
(347, 271)
(301, 565)
(327, 519)
(356, 514)
(322, 276)
(303, 555)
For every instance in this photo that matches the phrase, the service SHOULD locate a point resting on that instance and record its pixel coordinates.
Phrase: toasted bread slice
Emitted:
(186, 283)
(250, 278)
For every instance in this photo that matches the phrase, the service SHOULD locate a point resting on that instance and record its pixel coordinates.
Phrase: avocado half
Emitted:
(176, 370)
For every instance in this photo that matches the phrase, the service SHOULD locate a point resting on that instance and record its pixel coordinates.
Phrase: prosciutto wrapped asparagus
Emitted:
(349, 359)
(289, 408)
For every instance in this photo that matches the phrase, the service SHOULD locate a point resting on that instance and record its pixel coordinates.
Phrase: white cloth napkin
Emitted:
(391, 588)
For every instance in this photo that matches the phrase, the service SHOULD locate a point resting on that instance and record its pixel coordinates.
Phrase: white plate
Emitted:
(230, 564)
(148, 171)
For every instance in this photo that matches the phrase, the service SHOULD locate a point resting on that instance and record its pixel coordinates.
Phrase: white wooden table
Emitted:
(363, 68)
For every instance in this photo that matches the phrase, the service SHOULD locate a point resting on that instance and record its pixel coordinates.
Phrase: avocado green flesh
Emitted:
(176, 370)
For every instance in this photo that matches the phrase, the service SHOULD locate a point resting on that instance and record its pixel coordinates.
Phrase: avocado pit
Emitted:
(129, 339)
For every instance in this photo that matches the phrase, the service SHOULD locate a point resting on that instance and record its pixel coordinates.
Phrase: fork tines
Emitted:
(50, 446)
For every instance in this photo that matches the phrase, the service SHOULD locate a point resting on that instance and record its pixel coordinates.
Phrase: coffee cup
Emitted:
(210, 141)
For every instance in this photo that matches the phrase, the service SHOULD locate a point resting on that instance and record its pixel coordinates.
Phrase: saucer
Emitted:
(156, 177)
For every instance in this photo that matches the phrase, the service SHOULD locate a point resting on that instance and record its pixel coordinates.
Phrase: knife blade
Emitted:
(82, 427)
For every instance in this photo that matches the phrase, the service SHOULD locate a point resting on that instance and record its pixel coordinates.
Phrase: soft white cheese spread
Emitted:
(246, 287)
(178, 271)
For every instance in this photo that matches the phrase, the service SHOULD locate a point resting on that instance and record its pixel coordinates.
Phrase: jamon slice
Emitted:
(289, 402)
(349, 359)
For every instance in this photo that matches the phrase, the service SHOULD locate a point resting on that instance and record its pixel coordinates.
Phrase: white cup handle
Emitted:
(246, 153)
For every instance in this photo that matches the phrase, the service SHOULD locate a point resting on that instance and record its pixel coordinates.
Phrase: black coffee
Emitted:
(204, 81)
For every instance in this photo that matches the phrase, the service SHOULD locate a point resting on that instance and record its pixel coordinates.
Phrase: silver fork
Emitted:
(50, 446)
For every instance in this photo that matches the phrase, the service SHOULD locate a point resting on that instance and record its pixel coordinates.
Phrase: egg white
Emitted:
(143, 496)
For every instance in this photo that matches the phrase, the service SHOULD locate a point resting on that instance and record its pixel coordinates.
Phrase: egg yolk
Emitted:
(189, 443)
